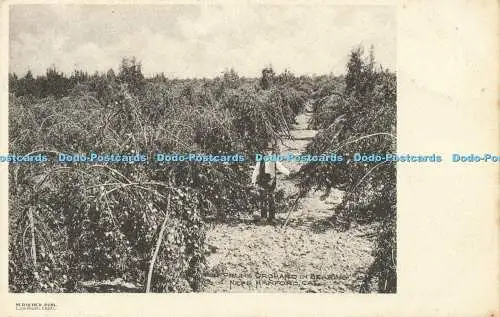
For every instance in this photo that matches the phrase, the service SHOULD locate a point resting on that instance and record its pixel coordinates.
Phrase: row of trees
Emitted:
(146, 226)
(359, 116)
(55, 83)
(77, 223)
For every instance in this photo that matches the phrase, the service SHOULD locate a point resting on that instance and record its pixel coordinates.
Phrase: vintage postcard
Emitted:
(250, 159)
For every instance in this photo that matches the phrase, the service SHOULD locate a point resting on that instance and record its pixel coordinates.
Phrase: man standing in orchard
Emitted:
(264, 178)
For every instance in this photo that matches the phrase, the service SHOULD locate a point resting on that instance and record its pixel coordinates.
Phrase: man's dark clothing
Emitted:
(267, 185)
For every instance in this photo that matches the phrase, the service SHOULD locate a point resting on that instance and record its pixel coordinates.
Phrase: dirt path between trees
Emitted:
(309, 256)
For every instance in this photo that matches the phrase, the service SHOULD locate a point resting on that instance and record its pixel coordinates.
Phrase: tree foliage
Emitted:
(360, 119)
(100, 222)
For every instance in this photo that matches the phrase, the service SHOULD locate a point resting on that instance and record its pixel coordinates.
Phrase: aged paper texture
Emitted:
(249, 158)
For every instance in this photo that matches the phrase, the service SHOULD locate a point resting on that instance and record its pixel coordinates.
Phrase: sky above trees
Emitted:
(198, 41)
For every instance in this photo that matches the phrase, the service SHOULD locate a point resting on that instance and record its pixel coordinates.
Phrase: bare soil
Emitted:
(307, 255)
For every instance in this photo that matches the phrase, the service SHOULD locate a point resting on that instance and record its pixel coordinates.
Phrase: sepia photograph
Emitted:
(202, 148)
(249, 158)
